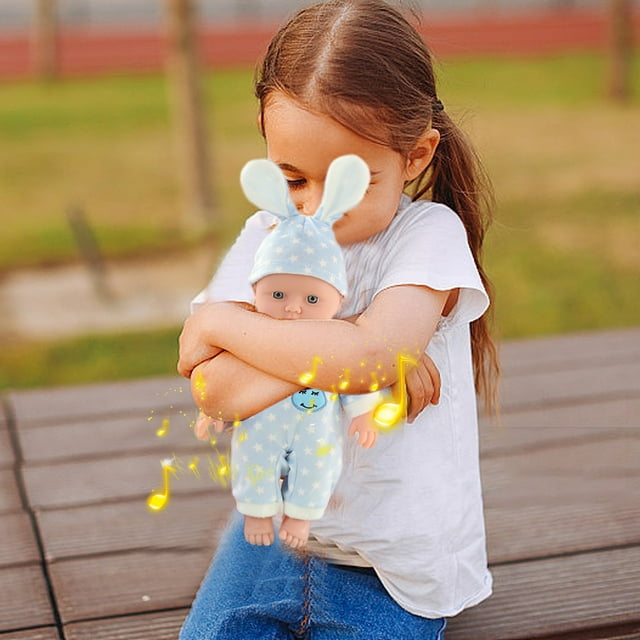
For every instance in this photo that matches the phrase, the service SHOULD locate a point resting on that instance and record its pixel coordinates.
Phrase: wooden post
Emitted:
(620, 49)
(45, 40)
(189, 117)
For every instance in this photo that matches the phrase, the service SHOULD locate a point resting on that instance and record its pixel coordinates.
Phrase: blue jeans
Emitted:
(269, 593)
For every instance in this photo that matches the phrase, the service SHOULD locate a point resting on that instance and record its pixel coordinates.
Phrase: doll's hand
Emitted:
(201, 427)
(204, 423)
(367, 433)
(423, 386)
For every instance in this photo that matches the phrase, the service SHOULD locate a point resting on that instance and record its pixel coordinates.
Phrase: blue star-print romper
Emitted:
(300, 440)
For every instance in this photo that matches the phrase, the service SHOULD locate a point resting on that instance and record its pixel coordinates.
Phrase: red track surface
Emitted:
(89, 52)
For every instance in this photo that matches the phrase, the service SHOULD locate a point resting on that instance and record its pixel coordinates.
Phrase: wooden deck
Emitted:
(81, 558)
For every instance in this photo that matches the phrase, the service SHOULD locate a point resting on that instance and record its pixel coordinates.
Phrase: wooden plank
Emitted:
(129, 583)
(9, 496)
(188, 522)
(6, 449)
(538, 531)
(102, 437)
(605, 472)
(563, 498)
(17, 540)
(570, 386)
(548, 598)
(546, 424)
(570, 351)
(25, 600)
(42, 633)
(164, 625)
(558, 425)
(110, 480)
(51, 406)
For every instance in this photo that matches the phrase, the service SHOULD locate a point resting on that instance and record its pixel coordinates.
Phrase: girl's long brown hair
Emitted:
(363, 64)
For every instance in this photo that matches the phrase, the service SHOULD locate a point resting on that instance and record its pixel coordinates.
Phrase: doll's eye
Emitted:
(312, 299)
(278, 295)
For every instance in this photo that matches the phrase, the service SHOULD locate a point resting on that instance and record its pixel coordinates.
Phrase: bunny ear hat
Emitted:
(299, 244)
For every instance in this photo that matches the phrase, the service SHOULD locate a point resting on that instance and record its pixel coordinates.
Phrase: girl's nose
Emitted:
(311, 201)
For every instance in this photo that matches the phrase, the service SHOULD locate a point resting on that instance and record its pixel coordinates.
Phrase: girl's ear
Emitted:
(419, 158)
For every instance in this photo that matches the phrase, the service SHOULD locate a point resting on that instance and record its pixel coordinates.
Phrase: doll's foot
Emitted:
(293, 532)
(258, 531)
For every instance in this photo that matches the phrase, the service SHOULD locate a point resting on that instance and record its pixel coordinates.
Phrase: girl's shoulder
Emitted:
(428, 215)
(420, 224)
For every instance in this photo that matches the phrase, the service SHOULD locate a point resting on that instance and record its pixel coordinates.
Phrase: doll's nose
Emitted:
(293, 306)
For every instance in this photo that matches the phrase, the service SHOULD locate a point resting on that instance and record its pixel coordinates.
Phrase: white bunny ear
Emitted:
(347, 181)
(265, 186)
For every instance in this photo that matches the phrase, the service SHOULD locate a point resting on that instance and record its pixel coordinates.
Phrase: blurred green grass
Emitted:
(563, 252)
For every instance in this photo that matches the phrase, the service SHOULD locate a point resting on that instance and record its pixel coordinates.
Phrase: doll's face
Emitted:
(291, 297)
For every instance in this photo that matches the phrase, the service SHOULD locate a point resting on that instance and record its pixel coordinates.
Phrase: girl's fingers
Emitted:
(423, 386)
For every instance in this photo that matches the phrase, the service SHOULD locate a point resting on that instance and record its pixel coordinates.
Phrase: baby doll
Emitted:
(289, 456)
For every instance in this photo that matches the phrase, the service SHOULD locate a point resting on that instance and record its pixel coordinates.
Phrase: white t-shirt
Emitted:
(411, 506)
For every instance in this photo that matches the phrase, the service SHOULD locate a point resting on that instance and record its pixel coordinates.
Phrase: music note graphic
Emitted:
(343, 385)
(388, 414)
(162, 431)
(307, 378)
(158, 499)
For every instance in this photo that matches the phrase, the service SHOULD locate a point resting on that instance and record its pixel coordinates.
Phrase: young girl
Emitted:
(401, 545)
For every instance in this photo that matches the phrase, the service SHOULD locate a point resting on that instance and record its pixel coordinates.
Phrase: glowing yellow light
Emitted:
(389, 415)
(158, 498)
(343, 385)
(164, 428)
(308, 377)
(201, 385)
(324, 450)
(193, 466)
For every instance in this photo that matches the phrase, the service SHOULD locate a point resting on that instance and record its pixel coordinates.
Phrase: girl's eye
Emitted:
(296, 184)
(278, 295)
(312, 299)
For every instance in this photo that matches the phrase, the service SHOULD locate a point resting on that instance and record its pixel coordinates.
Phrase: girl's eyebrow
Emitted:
(285, 166)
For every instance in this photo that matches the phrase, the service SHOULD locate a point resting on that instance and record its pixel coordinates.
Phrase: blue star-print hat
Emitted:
(299, 244)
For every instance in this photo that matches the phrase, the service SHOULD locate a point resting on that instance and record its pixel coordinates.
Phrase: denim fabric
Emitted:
(269, 593)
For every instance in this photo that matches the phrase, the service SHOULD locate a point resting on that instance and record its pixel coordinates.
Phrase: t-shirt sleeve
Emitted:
(433, 251)
(231, 280)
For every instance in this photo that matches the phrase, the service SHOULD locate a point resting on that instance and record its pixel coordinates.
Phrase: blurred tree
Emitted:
(189, 117)
(620, 47)
(45, 39)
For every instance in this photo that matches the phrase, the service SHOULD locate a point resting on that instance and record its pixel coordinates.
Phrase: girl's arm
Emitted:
(400, 320)
(228, 389)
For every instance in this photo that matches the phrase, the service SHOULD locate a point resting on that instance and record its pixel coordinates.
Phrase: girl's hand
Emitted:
(194, 346)
(423, 386)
